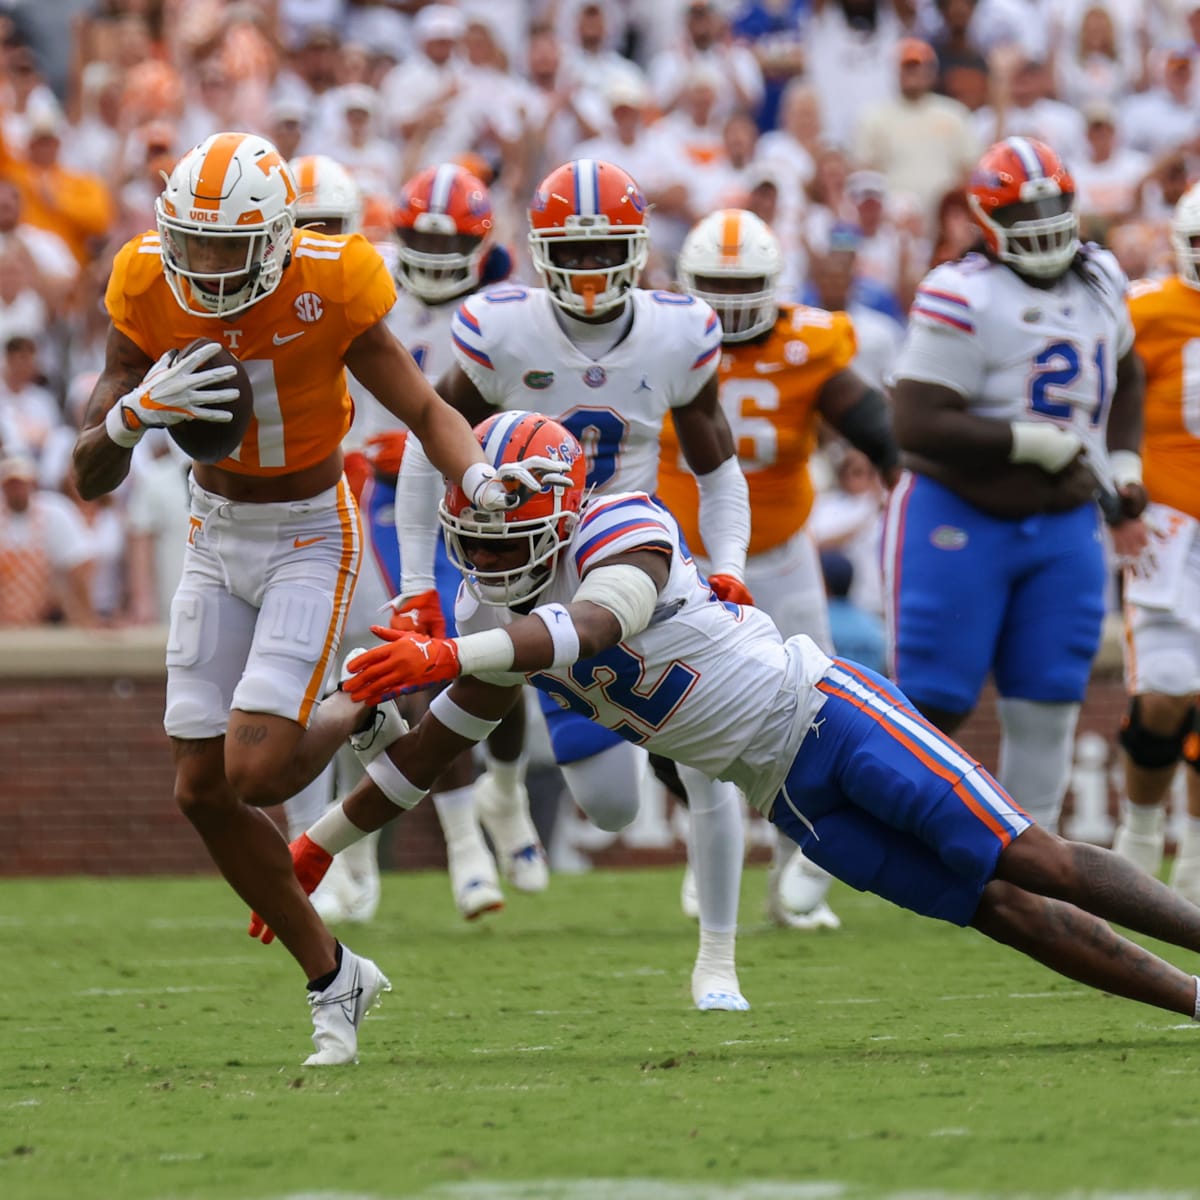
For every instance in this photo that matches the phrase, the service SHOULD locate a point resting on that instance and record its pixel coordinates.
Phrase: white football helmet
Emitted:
(1185, 225)
(225, 218)
(326, 192)
(732, 260)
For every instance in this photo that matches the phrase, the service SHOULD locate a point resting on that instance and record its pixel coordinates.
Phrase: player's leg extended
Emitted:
(787, 584)
(1044, 654)
(1052, 900)
(945, 589)
(717, 847)
(601, 770)
(889, 804)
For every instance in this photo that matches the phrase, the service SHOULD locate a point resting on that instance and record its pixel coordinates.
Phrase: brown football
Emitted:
(209, 441)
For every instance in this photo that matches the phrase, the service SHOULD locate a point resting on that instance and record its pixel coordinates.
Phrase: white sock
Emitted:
(456, 812)
(1190, 837)
(717, 846)
(309, 803)
(716, 954)
(1037, 746)
(508, 775)
(1196, 1011)
(1145, 820)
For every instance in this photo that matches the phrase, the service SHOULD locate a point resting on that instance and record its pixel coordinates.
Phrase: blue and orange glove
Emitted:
(408, 663)
(310, 863)
(731, 589)
(421, 613)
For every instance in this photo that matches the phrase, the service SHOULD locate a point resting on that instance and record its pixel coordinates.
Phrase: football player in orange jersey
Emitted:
(1162, 597)
(274, 543)
(783, 368)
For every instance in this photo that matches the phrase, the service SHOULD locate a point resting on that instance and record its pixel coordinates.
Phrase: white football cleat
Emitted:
(796, 894)
(718, 992)
(473, 881)
(689, 898)
(338, 1011)
(508, 823)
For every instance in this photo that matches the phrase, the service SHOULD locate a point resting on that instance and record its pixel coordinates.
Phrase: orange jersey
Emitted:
(1166, 323)
(291, 342)
(769, 391)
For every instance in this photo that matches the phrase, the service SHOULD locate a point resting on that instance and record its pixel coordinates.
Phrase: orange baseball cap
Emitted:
(913, 50)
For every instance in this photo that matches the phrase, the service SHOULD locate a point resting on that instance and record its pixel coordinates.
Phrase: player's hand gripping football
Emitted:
(421, 613)
(730, 588)
(408, 663)
(496, 489)
(174, 390)
(310, 863)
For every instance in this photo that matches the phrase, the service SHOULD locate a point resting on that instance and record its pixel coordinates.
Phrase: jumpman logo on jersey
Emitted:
(644, 386)
(816, 727)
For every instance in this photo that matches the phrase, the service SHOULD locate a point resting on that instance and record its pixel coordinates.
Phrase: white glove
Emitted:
(496, 490)
(1047, 446)
(173, 390)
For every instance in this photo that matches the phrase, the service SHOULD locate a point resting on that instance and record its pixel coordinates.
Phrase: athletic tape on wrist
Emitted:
(118, 431)
(458, 720)
(491, 650)
(394, 784)
(562, 632)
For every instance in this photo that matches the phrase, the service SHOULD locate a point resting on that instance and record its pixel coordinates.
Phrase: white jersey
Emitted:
(509, 342)
(711, 685)
(1016, 352)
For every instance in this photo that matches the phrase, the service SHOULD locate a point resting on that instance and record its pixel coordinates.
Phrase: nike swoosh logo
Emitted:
(291, 337)
(768, 368)
(300, 543)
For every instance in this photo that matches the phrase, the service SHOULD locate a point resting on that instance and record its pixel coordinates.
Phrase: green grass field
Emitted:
(149, 1049)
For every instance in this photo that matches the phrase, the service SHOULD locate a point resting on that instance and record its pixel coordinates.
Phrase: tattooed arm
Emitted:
(100, 464)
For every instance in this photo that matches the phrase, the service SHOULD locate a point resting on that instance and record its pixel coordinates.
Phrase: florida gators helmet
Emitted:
(225, 218)
(588, 236)
(544, 522)
(1022, 197)
(444, 226)
(732, 260)
(326, 193)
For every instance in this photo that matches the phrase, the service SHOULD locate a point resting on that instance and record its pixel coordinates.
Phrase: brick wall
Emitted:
(85, 781)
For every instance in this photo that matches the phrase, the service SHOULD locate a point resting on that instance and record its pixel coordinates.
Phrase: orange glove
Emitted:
(421, 613)
(731, 589)
(386, 451)
(409, 663)
(310, 863)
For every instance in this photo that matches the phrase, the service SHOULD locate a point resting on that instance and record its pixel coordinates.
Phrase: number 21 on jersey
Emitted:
(1057, 367)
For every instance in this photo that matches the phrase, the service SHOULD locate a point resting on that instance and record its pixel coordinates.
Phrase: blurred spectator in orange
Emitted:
(45, 565)
(72, 204)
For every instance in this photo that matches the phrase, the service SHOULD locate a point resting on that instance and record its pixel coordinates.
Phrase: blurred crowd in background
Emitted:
(849, 125)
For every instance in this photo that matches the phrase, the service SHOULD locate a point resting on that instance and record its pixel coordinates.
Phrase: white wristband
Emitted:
(333, 831)
(562, 632)
(458, 720)
(118, 431)
(1126, 467)
(393, 783)
(474, 478)
(491, 650)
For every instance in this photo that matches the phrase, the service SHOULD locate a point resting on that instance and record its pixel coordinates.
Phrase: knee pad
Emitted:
(1154, 751)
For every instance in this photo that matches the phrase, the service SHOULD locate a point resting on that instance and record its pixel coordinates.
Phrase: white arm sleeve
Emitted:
(725, 518)
(418, 488)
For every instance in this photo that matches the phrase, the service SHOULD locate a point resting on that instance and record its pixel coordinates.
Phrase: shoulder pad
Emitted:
(950, 297)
